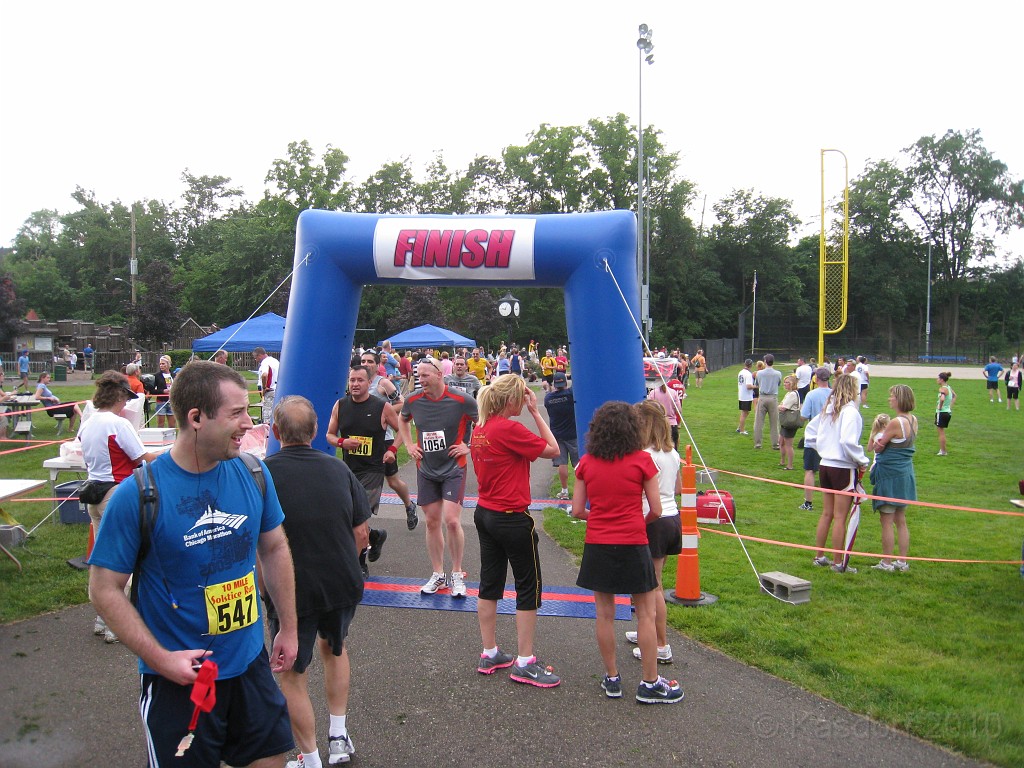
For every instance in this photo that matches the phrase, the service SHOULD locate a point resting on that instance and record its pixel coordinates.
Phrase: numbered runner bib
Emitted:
(232, 605)
(434, 441)
(365, 447)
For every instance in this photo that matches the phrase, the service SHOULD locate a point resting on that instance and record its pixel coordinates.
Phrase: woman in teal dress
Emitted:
(892, 476)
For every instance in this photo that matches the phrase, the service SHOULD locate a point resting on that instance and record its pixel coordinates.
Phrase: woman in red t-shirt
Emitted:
(502, 451)
(615, 474)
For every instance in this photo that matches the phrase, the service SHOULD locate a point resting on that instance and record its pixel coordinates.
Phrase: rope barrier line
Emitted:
(1008, 513)
(45, 408)
(813, 548)
(35, 444)
(303, 262)
(693, 442)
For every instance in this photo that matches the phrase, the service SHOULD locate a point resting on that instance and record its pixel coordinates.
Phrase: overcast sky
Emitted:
(121, 97)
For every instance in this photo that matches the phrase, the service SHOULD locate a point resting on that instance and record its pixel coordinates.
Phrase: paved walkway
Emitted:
(417, 700)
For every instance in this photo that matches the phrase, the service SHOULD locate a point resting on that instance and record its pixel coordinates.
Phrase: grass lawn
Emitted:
(936, 651)
(47, 582)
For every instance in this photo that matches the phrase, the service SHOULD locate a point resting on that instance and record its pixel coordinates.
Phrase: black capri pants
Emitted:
(508, 538)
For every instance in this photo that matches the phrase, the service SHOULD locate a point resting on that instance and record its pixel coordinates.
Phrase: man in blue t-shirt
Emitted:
(561, 408)
(198, 592)
(23, 364)
(992, 372)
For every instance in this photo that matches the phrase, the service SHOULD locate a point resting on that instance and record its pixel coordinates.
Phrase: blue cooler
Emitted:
(71, 511)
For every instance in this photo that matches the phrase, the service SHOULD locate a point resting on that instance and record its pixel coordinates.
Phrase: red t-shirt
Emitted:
(615, 490)
(502, 450)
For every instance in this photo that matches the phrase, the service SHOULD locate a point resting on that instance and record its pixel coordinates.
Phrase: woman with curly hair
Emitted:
(502, 451)
(613, 475)
(664, 535)
(835, 434)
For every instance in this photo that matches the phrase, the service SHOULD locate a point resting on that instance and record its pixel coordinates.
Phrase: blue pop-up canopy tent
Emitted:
(265, 331)
(428, 336)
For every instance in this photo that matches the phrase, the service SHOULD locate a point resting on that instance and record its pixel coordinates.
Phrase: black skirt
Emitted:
(618, 569)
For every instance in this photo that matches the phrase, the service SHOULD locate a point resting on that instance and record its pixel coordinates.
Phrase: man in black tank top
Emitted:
(357, 426)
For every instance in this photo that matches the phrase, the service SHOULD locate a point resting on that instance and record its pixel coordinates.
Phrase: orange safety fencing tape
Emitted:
(32, 445)
(854, 552)
(815, 488)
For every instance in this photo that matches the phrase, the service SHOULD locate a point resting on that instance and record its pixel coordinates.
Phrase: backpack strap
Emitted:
(149, 505)
(256, 468)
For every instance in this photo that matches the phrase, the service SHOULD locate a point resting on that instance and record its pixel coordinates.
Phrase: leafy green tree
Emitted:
(12, 310)
(960, 195)
(753, 232)
(887, 267)
(303, 183)
(391, 189)
(157, 315)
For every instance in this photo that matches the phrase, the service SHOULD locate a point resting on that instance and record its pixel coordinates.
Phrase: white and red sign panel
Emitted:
(485, 249)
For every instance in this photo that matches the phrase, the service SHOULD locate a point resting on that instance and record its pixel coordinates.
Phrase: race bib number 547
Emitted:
(232, 605)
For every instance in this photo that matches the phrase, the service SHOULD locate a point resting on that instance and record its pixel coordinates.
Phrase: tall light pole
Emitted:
(928, 311)
(133, 263)
(644, 48)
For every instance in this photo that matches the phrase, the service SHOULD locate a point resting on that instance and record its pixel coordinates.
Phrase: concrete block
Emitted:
(790, 588)
(12, 536)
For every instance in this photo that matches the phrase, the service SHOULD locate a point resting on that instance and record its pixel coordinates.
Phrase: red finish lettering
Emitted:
(435, 253)
(499, 247)
(454, 248)
(410, 244)
(455, 254)
(476, 242)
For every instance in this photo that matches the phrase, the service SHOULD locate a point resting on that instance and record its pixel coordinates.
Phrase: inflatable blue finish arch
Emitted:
(336, 254)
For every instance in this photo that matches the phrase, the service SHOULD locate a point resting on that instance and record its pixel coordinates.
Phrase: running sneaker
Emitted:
(822, 562)
(881, 565)
(563, 495)
(631, 637)
(296, 763)
(341, 749)
(843, 568)
(901, 565)
(663, 692)
(99, 626)
(489, 666)
(410, 516)
(110, 637)
(377, 539)
(534, 673)
(612, 687)
(806, 505)
(457, 584)
(435, 582)
(664, 654)
(941, 453)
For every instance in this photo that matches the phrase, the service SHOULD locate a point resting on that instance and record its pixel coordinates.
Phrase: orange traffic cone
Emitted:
(687, 590)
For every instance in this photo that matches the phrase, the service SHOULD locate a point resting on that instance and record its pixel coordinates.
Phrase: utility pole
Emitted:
(133, 263)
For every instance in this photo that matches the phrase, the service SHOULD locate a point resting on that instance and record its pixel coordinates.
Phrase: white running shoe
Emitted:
(435, 582)
(664, 654)
(341, 748)
(457, 584)
(631, 637)
(99, 626)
